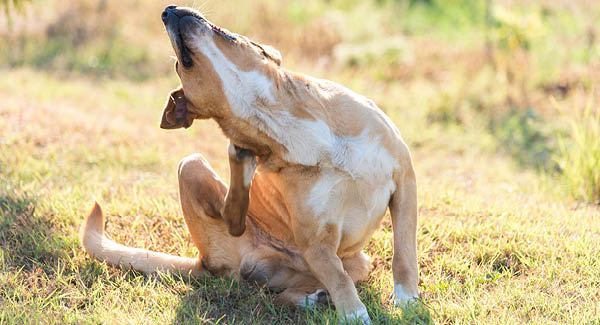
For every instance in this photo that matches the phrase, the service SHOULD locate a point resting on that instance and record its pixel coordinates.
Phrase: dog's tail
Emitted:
(102, 248)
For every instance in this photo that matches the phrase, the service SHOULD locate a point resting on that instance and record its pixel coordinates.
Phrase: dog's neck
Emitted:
(263, 119)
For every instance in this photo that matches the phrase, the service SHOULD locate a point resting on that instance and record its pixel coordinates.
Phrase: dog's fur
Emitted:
(329, 163)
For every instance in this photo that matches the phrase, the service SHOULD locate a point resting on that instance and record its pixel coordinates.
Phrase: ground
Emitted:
(500, 240)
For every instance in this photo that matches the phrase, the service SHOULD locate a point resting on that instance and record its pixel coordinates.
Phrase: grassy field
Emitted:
(497, 100)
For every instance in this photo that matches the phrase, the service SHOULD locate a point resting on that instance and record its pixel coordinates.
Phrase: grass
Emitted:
(501, 239)
(579, 154)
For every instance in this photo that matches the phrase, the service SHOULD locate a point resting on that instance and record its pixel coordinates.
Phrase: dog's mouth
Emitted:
(177, 19)
(184, 52)
(174, 18)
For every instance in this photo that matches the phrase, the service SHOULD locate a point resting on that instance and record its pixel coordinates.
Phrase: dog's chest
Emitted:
(352, 190)
(355, 173)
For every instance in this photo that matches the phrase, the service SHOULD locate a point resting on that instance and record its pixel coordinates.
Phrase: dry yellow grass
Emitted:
(499, 242)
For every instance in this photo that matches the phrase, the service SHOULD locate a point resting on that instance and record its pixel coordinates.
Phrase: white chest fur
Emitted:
(356, 172)
(307, 142)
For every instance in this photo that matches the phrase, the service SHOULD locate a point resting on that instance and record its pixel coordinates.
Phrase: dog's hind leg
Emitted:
(357, 266)
(204, 197)
(403, 208)
(242, 164)
(203, 192)
(304, 298)
(309, 292)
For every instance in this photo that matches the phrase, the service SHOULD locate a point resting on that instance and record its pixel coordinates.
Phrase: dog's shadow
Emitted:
(39, 244)
(225, 301)
(36, 243)
(32, 241)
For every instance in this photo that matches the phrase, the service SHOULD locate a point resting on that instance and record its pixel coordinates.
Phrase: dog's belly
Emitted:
(357, 205)
(332, 196)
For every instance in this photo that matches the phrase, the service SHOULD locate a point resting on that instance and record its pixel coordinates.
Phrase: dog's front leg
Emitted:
(403, 208)
(319, 247)
(242, 164)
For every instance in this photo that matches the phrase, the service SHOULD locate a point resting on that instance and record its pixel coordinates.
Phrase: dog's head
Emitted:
(208, 60)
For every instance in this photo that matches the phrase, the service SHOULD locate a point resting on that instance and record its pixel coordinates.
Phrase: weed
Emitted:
(526, 137)
(579, 154)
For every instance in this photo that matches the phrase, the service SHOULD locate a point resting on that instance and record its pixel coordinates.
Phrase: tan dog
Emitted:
(329, 165)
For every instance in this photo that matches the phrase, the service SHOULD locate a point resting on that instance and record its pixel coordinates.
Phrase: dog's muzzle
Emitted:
(171, 17)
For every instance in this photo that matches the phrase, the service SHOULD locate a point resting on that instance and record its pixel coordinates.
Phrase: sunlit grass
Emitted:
(579, 154)
(496, 245)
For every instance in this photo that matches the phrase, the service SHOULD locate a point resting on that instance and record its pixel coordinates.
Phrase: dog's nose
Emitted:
(167, 12)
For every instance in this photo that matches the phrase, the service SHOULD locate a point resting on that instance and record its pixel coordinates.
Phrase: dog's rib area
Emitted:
(264, 238)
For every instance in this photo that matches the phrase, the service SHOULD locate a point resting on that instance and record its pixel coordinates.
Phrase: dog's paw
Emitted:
(361, 316)
(317, 297)
(401, 297)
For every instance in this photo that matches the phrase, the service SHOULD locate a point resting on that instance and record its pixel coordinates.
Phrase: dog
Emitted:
(314, 167)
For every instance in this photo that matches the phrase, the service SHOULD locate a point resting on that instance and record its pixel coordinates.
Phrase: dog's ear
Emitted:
(269, 52)
(176, 114)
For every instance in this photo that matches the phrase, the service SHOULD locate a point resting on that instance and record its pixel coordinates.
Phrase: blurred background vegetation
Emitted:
(497, 99)
(524, 72)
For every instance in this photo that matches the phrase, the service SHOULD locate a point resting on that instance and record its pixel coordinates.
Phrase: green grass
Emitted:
(501, 238)
(579, 155)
